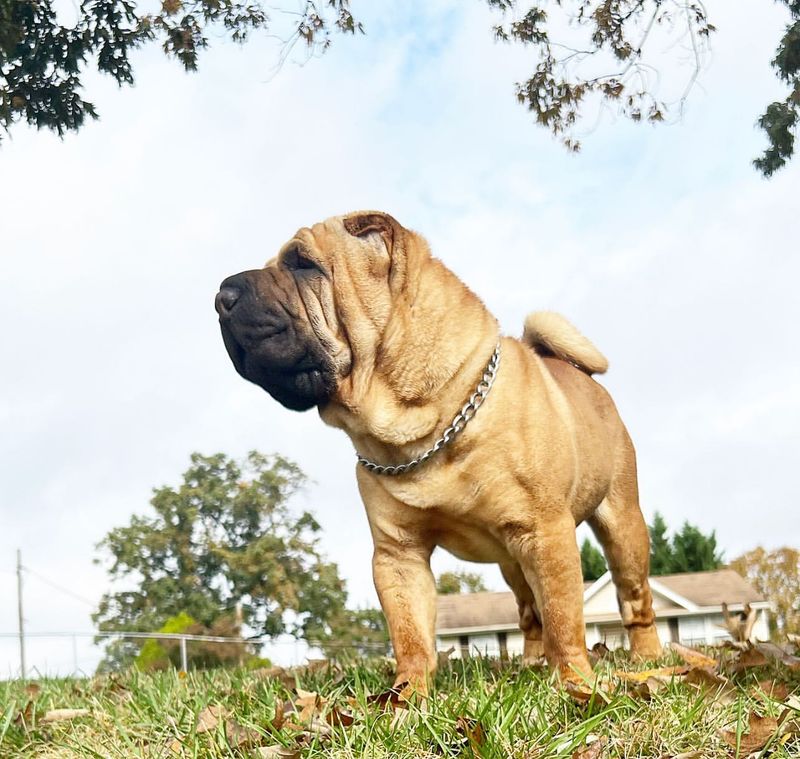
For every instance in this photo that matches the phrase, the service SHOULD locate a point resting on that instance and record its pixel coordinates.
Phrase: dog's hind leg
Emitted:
(620, 527)
(529, 621)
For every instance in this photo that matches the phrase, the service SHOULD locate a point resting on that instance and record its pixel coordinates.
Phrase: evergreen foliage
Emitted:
(593, 565)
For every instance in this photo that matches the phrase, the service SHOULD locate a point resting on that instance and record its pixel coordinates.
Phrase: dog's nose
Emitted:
(226, 299)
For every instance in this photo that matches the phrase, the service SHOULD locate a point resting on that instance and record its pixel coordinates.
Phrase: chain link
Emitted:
(460, 421)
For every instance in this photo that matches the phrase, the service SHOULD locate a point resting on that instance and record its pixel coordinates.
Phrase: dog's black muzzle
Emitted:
(268, 342)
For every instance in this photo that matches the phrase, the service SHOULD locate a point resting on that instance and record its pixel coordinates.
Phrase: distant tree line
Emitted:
(688, 550)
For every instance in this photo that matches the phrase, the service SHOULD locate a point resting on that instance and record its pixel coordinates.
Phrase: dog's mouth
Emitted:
(275, 359)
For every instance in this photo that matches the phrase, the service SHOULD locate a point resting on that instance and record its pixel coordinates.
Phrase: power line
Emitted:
(60, 588)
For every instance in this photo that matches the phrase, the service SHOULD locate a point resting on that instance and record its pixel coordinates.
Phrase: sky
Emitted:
(661, 244)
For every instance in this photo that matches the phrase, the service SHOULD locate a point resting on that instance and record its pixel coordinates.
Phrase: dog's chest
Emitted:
(449, 508)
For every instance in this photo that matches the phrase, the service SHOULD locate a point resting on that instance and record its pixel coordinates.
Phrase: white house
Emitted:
(688, 609)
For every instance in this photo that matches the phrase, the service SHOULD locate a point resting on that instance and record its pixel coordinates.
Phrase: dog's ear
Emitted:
(362, 224)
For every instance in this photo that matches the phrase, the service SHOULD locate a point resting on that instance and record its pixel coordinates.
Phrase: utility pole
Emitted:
(22, 668)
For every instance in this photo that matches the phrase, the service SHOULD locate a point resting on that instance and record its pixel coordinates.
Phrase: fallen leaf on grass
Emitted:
(771, 651)
(25, 716)
(772, 689)
(583, 692)
(309, 702)
(649, 687)
(591, 751)
(750, 658)
(708, 680)
(58, 715)
(598, 652)
(33, 690)
(337, 717)
(391, 698)
(240, 736)
(473, 730)
(692, 657)
(662, 673)
(276, 752)
(209, 718)
(761, 729)
(283, 675)
(175, 746)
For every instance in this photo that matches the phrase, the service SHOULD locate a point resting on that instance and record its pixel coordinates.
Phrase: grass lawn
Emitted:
(744, 704)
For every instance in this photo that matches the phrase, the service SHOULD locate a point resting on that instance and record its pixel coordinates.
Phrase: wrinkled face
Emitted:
(294, 326)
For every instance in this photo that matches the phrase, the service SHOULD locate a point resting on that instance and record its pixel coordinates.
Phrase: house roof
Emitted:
(703, 589)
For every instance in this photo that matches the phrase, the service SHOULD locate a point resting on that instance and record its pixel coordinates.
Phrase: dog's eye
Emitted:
(295, 260)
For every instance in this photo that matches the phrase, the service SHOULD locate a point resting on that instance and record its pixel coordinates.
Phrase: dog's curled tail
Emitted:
(550, 334)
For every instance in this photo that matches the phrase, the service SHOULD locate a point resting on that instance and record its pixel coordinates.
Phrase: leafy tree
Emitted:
(224, 537)
(593, 564)
(661, 558)
(450, 583)
(776, 575)
(601, 53)
(362, 632)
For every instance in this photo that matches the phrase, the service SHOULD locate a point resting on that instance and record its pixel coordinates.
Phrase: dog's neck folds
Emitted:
(415, 384)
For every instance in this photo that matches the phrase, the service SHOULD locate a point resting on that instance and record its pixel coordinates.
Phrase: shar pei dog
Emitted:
(491, 447)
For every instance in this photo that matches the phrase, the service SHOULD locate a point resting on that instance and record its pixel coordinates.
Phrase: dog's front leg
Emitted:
(548, 554)
(407, 592)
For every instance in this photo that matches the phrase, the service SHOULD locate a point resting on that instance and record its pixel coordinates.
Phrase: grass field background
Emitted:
(739, 704)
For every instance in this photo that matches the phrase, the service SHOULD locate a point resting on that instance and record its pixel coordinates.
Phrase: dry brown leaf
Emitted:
(281, 710)
(708, 680)
(692, 657)
(648, 688)
(337, 717)
(599, 651)
(749, 658)
(662, 673)
(583, 692)
(761, 729)
(591, 751)
(240, 736)
(175, 746)
(772, 689)
(315, 665)
(310, 703)
(771, 651)
(319, 727)
(209, 718)
(25, 716)
(391, 698)
(276, 752)
(58, 715)
(33, 690)
(473, 730)
(283, 675)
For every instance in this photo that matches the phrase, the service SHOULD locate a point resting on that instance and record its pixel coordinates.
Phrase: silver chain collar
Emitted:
(468, 410)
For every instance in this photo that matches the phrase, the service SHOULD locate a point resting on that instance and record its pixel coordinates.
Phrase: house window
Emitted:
(463, 642)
